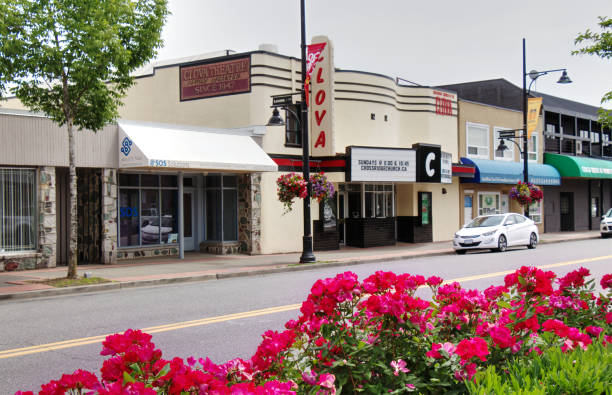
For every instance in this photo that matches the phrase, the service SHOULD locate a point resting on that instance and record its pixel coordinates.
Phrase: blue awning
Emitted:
(500, 172)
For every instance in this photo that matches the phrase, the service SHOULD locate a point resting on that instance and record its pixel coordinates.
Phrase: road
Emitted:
(43, 338)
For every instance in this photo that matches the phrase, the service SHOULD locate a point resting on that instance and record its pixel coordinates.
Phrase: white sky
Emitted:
(429, 42)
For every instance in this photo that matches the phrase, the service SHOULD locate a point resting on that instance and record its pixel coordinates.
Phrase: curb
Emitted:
(220, 276)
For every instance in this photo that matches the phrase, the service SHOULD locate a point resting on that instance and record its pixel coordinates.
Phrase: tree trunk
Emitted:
(72, 250)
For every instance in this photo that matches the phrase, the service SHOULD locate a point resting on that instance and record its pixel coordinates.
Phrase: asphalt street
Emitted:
(191, 319)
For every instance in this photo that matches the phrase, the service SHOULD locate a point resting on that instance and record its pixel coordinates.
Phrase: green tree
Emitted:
(72, 59)
(599, 44)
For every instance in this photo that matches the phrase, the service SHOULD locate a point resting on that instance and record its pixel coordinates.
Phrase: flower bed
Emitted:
(377, 336)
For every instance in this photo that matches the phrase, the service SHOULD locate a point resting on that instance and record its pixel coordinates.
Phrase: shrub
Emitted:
(376, 336)
(554, 372)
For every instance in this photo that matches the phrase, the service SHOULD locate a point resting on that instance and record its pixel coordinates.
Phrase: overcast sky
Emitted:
(429, 42)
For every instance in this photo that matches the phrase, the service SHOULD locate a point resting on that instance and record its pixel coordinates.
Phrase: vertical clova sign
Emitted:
(321, 121)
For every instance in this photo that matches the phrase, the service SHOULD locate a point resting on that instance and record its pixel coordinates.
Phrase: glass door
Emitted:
(188, 220)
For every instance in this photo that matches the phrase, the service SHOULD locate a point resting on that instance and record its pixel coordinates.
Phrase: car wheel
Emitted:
(502, 244)
(460, 252)
(533, 241)
(604, 235)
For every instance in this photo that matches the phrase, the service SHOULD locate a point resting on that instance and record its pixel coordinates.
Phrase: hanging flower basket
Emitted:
(526, 193)
(321, 188)
(289, 187)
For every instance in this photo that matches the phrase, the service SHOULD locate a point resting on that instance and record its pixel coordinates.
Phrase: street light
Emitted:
(276, 120)
(534, 75)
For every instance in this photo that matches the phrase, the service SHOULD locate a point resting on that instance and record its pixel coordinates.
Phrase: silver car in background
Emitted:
(496, 232)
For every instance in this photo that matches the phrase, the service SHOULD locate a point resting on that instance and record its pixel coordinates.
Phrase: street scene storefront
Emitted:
(584, 195)
(488, 192)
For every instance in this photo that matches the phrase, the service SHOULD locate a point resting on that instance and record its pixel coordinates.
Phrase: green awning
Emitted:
(575, 166)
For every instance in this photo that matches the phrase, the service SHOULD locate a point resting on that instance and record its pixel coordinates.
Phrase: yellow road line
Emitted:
(236, 316)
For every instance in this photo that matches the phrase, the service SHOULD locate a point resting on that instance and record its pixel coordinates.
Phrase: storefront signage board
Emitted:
(381, 164)
(212, 79)
(321, 102)
(429, 162)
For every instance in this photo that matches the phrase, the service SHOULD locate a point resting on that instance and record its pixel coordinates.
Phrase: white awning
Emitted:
(167, 147)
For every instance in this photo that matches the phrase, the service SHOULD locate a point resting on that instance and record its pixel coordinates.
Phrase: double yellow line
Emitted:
(17, 352)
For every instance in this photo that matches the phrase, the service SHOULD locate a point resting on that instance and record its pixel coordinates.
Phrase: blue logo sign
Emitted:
(126, 146)
(128, 212)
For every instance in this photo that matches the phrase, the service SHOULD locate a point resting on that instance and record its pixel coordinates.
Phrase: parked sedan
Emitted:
(496, 232)
(605, 226)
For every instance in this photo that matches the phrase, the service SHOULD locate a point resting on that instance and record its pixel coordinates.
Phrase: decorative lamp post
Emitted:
(534, 75)
(284, 101)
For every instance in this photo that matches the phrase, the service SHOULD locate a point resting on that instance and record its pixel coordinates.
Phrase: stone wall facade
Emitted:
(249, 213)
(109, 216)
(47, 230)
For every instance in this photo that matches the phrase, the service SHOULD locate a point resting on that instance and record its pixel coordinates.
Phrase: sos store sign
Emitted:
(322, 140)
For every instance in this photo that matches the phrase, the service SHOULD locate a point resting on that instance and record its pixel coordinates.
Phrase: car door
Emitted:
(522, 229)
(510, 230)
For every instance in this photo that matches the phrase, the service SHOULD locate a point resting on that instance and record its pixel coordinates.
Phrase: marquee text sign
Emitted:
(321, 103)
(215, 79)
(444, 102)
(381, 164)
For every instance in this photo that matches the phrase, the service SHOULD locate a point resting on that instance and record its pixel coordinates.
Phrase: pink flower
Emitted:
(399, 366)
(594, 330)
(326, 380)
(606, 281)
(309, 378)
(410, 386)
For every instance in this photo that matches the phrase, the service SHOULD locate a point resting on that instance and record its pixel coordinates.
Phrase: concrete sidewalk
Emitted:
(200, 267)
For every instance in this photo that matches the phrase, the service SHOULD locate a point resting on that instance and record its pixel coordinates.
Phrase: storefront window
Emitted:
(477, 137)
(221, 208)
(535, 212)
(488, 203)
(378, 200)
(17, 210)
(148, 212)
(507, 154)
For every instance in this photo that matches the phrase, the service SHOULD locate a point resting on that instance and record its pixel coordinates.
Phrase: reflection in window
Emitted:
(129, 210)
(149, 218)
(148, 213)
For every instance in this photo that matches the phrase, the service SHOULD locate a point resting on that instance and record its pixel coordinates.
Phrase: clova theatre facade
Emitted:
(192, 151)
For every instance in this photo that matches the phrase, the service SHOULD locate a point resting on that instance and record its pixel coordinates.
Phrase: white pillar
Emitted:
(180, 217)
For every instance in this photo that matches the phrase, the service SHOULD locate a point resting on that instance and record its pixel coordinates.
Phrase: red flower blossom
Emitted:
(474, 347)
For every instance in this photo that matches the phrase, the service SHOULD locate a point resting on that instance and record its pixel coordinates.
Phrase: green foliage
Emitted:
(553, 372)
(598, 44)
(72, 59)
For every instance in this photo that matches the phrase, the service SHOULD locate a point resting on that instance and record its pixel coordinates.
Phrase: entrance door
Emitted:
(188, 220)
(566, 208)
(341, 216)
(467, 208)
(505, 204)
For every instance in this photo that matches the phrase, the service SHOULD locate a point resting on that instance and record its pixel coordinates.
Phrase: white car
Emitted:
(605, 226)
(496, 232)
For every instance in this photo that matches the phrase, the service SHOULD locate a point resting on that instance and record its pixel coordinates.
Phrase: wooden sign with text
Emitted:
(212, 79)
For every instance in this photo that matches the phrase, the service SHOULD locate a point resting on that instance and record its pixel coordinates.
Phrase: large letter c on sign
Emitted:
(430, 172)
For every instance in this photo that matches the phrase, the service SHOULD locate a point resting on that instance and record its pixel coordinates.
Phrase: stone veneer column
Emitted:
(109, 216)
(47, 229)
(249, 211)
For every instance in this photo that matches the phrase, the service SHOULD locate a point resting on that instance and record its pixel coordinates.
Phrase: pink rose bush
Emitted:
(375, 336)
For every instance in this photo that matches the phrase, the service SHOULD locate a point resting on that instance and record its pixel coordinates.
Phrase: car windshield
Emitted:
(609, 213)
(490, 220)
